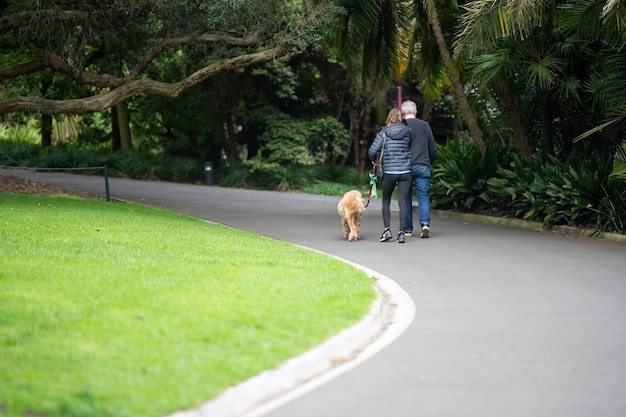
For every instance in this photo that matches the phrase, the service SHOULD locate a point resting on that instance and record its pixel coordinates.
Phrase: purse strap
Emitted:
(382, 149)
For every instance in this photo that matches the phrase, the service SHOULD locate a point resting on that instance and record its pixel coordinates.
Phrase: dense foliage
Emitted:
(134, 164)
(271, 92)
(188, 78)
(110, 48)
(580, 191)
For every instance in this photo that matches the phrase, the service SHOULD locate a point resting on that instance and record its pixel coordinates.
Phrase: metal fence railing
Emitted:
(85, 170)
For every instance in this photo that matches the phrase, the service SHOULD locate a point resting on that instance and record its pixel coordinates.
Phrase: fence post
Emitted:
(106, 182)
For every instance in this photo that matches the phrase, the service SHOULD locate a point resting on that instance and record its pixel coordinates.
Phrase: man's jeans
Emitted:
(421, 179)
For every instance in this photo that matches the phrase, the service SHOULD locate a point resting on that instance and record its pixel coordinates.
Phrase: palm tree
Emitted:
(371, 41)
(607, 86)
(494, 70)
(433, 19)
(556, 50)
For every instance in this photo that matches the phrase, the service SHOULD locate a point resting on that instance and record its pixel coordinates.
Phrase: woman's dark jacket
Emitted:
(397, 154)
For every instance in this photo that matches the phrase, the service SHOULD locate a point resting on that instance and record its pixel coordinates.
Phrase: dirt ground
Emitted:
(11, 184)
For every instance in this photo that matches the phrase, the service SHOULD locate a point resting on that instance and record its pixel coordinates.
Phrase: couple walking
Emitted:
(408, 148)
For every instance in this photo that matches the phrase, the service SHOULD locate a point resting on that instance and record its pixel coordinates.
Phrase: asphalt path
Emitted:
(508, 321)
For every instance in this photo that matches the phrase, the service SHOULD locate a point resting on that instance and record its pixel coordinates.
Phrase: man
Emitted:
(423, 154)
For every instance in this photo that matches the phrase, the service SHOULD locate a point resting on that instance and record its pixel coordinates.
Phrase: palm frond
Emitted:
(619, 163)
(373, 39)
(581, 16)
(614, 19)
(607, 85)
(490, 67)
(488, 21)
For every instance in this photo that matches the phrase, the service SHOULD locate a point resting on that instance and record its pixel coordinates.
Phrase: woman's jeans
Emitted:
(421, 178)
(404, 182)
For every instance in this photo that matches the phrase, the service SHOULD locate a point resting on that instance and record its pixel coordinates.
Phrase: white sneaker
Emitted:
(425, 232)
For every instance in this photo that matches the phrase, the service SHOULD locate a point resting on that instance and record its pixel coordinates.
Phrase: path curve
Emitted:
(508, 321)
(389, 317)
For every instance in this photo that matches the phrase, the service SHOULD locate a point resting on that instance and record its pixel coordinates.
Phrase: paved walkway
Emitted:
(508, 321)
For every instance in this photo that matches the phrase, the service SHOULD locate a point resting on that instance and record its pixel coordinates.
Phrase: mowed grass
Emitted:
(115, 309)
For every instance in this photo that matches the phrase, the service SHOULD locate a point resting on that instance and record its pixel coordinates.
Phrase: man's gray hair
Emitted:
(409, 107)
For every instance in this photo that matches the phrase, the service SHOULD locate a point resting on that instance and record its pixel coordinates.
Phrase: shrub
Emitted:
(579, 191)
(286, 140)
(460, 175)
(129, 164)
(18, 153)
(236, 174)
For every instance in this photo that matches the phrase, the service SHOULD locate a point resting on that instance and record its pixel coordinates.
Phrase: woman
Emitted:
(396, 167)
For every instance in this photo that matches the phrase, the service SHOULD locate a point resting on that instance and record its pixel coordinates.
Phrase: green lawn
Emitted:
(115, 309)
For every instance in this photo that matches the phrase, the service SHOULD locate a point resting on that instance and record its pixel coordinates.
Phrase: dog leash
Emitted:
(372, 185)
(373, 173)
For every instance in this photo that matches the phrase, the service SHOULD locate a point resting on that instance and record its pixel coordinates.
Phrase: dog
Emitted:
(350, 209)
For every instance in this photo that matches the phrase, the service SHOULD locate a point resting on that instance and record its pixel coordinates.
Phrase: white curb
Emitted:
(389, 316)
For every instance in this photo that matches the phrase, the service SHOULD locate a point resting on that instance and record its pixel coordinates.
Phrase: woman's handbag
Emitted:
(379, 163)
(379, 172)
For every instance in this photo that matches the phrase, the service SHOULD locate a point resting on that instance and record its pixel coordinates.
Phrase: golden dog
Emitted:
(350, 209)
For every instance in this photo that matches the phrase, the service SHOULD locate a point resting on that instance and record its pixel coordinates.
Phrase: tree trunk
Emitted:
(123, 119)
(228, 145)
(427, 111)
(346, 154)
(120, 122)
(116, 141)
(363, 138)
(46, 130)
(355, 131)
(510, 108)
(231, 136)
(472, 124)
(360, 129)
(46, 119)
(546, 126)
(575, 116)
(251, 136)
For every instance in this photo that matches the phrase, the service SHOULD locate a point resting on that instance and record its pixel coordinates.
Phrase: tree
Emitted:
(374, 42)
(493, 73)
(370, 42)
(433, 18)
(68, 38)
(556, 52)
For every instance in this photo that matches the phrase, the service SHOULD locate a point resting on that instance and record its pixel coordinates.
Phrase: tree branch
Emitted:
(101, 102)
(83, 77)
(18, 20)
(110, 81)
(187, 40)
(23, 68)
